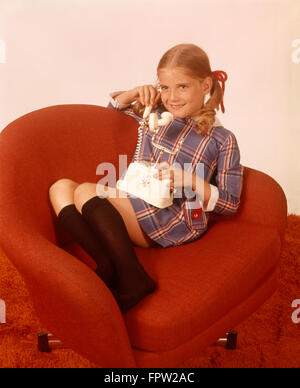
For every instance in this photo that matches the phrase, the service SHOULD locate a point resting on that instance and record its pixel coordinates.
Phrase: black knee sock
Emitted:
(72, 221)
(108, 224)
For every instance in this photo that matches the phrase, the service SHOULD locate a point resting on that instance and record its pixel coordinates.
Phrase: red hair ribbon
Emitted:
(222, 77)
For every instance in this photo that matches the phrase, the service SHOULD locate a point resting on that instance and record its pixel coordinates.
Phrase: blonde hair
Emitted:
(196, 63)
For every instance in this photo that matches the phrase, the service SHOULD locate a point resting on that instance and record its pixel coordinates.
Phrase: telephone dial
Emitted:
(139, 180)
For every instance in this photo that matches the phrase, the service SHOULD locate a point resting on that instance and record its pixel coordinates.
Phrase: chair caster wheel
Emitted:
(230, 340)
(47, 342)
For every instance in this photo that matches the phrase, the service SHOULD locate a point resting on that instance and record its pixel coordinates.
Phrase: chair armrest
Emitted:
(72, 302)
(263, 202)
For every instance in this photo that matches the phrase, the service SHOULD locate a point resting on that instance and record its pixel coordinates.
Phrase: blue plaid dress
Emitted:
(217, 152)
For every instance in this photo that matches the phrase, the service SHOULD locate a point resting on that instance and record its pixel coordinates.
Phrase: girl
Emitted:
(108, 225)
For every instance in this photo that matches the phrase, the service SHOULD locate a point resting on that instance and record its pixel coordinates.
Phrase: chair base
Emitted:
(47, 342)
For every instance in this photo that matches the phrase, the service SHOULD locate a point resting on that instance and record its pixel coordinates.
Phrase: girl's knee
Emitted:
(63, 185)
(61, 193)
(83, 193)
(84, 188)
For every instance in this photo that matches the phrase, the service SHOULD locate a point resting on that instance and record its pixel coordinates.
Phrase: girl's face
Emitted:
(181, 94)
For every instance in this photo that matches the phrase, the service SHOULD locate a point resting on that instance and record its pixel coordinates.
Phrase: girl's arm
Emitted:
(229, 177)
(146, 94)
(207, 193)
(224, 195)
(126, 98)
(224, 198)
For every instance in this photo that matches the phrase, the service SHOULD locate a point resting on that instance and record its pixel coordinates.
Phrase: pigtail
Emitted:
(207, 115)
(138, 109)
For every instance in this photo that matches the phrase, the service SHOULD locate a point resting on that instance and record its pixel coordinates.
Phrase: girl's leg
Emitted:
(61, 195)
(112, 229)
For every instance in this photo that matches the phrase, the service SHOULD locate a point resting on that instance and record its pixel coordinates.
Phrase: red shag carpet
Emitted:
(268, 339)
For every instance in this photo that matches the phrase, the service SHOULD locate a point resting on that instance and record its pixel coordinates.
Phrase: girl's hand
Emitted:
(182, 178)
(177, 176)
(147, 95)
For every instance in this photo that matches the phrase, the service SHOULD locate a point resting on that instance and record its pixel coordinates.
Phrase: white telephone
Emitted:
(139, 179)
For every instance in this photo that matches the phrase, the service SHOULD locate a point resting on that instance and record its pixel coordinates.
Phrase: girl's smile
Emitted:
(181, 94)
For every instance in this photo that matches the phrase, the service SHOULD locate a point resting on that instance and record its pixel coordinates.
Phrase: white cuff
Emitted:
(115, 103)
(214, 196)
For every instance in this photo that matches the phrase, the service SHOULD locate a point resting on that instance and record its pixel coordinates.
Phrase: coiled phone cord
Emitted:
(139, 142)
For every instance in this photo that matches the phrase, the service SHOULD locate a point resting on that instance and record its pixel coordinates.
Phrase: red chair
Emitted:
(205, 288)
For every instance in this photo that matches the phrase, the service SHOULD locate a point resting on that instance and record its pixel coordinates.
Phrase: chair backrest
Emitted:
(64, 141)
(70, 141)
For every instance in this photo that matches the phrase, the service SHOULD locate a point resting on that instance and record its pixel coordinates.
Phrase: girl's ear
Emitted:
(207, 85)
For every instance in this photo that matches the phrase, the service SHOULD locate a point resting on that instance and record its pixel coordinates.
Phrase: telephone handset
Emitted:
(153, 121)
(139, 179)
